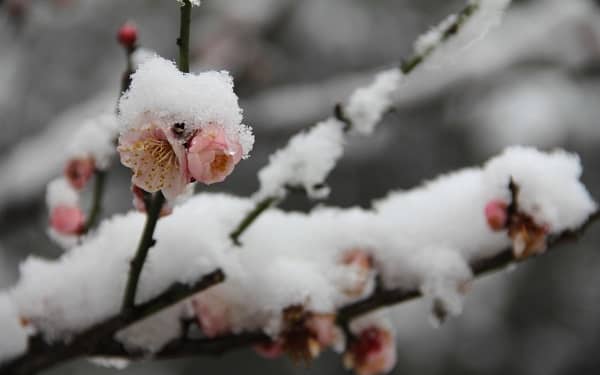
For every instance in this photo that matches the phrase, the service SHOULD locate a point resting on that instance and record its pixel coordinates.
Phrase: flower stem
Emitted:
(99, 181)
(184, 37)
(250, 217)
(146, 242)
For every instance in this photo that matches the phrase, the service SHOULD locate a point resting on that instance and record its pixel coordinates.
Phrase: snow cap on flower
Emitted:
(178, 127)
(162, 95)
(60, 192)
(95, 139)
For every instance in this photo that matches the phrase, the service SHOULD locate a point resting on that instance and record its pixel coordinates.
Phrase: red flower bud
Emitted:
(127, 35)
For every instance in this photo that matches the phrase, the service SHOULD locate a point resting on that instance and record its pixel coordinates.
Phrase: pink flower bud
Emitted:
(79, 171)
(67, 220)
(212, 155)
(496, 215)
(373, 352)
(127, 35)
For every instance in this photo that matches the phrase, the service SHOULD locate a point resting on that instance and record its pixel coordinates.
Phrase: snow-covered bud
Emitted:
(127, 35)
(79, 171)
(212, 154)
(67, 220)
(212, 314)
(360, 263)
(496, 215)
(372, 352)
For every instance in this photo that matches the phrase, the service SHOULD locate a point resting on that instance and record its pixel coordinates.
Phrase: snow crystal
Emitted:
(367, 105)
(304, 162)
(160, 93)
(96, 138)
(60, 192)
(14, 336)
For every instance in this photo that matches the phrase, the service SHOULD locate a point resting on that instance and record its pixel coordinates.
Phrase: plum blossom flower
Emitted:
(372, 352)
(67, 220)
(157, 158)
(529, 238)
(79, 171)
(212, 154)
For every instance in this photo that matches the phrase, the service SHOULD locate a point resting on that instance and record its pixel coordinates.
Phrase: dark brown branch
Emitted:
(381, 298)
(42, 355)
(389, 297)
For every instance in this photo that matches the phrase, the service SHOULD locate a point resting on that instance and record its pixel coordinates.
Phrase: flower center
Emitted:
(219, 163)
(157, 160)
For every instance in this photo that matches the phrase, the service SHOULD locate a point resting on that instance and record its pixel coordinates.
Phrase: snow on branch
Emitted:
(316, 269)
(310, 156)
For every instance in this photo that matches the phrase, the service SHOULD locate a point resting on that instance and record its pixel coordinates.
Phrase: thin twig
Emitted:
(250, 217)
(100, 175)
(184, 37)
(146, 242)
(406, 67)
(96, 209)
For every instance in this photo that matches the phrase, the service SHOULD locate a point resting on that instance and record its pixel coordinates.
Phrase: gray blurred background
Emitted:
(535, 80)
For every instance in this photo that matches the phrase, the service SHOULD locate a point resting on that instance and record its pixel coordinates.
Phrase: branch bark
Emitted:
(42, 355)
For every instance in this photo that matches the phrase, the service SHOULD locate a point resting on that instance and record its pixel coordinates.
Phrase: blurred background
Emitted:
(534, 80)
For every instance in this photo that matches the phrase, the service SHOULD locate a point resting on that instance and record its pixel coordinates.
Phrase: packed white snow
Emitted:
(422, 239)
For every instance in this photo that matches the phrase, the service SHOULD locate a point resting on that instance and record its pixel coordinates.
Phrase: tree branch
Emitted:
(42, 355)
(380, 298)
(389, 297)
